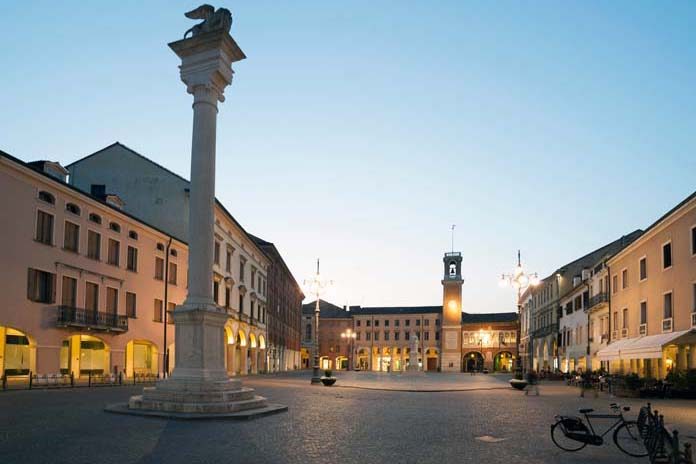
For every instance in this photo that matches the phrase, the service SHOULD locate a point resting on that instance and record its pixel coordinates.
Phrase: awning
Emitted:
(611, 352)
(649, 347)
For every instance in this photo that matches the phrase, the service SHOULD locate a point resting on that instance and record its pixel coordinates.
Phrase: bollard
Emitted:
(675, 447)
(89, 378)
(4, 382)
(72, 380)
(31, 379)
(120, 378)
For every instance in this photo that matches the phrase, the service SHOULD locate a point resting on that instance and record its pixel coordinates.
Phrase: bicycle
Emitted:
(570, 433)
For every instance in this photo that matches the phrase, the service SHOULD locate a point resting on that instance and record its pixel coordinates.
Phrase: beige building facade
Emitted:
(653, 298)
(84, 283)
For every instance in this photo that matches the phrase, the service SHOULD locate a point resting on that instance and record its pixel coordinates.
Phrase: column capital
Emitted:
(206, 63)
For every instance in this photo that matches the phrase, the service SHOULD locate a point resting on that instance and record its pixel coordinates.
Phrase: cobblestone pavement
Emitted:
(323, 425)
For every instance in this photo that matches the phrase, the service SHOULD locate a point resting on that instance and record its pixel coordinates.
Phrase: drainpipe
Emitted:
(165, 358)
(609, 292)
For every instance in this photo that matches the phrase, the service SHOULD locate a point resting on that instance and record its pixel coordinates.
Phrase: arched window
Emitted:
(72, 208)
(47, 197)
(160, 246)
(133, 234)
(115, 227)
(308, 332)
(452, 269)
(95, 218)
(173, 252)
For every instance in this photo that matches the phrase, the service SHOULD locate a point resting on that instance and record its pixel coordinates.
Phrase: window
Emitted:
(115, 227)
(111, 300)
(228, 260)
(133, 235)
(386, 336)
(160, 246)
(417, 322)
(693, 297)
(72, 208)
(396, 336)
(377, 323)
(44, 227)
(643, 312)
(386, 323)
(71, 237)
(170, 312)
(131, 301)
(693, 240)
(172, 273)
(667, 306)
(357, 323)
(368, 323)
(217, 253)
(624, 278)
(437, 335)
(367, 336)
(624, 319)
(376, 336)
(407, 335)
(41, 286)
(426, 336)
(173, 252)
(667, 255)
(132, 259)
(159, 268)
(241, 269)
(426, 322)
(251, 308)
(437, 322)
(396, 323)
(308, 332)
(216, 291)
(228, 294)
(69, 292)
(93, 245)
(615, 284)
(157, 311)
(241, 304)
(95, 218)
(408, 323)
(91, 296)
(114, 252)
(47, 197)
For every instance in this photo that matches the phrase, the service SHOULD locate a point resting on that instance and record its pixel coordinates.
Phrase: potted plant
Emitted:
(328, 379)
(518, 381)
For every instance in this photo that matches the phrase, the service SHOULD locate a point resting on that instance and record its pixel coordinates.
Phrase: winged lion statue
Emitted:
(213, 20)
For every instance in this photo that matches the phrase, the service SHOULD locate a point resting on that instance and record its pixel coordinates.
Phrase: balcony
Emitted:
(90, 319)
(546, 330)
(598, 299)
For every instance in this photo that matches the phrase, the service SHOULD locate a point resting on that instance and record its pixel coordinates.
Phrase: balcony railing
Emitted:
(88, 318)
(643, 329)
(599, 298)
(546, 330)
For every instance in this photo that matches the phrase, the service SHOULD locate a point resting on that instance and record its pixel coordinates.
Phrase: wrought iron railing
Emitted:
(598, 298)
(69, 316)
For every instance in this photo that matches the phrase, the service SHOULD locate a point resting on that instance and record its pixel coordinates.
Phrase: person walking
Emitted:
(532, 383)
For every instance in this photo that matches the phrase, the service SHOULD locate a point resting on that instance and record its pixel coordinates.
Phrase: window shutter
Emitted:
(31, 284)
(53, 289)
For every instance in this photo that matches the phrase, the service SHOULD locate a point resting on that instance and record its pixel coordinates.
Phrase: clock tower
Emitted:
(451, 349)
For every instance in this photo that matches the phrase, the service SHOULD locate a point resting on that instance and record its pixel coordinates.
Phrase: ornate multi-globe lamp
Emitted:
(316, 286)
(520, 280)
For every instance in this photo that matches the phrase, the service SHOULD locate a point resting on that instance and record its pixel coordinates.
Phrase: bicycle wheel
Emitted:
(559, 439)
(627, 438)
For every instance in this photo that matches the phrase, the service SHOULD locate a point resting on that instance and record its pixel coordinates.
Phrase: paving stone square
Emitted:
(365, 418)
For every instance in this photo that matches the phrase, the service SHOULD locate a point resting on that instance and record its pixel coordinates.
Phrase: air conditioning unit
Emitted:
(624, 333)
(643, 329)
(667, 325)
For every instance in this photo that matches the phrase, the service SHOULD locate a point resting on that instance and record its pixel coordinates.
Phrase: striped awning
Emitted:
(648, 347)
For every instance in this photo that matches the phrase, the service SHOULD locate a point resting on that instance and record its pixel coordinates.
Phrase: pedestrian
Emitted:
(532, 383)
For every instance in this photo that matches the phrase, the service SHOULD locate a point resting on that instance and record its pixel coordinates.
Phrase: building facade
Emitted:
(382, 334)
(545, 304)
(84, 282)
(652, 282)
(284, 307)
(161, 197)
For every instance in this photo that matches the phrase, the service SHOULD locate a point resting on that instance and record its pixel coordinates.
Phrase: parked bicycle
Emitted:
(570, 433)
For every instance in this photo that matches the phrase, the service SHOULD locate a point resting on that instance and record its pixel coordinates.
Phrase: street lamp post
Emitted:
(350, 336)
(520, 280)
(315, 286)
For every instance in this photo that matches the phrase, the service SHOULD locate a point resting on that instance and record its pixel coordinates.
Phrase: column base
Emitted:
(191, 399)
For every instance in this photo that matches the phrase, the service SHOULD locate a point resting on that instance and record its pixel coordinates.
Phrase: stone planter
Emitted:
(328, 381)
(518, 384)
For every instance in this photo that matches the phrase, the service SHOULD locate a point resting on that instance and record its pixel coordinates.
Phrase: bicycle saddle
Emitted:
(585, 411)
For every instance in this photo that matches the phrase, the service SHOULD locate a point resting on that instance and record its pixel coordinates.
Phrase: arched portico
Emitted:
(503, 361)
(472, 361)
(141, 358)
(83, 355)
(18, 351)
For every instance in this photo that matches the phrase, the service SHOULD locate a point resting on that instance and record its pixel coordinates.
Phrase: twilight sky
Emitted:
(359, 131)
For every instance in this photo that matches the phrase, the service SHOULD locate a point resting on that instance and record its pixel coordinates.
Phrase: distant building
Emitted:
(476, 341)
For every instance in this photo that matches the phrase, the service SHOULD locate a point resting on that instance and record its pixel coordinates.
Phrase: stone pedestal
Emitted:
(199, 386)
